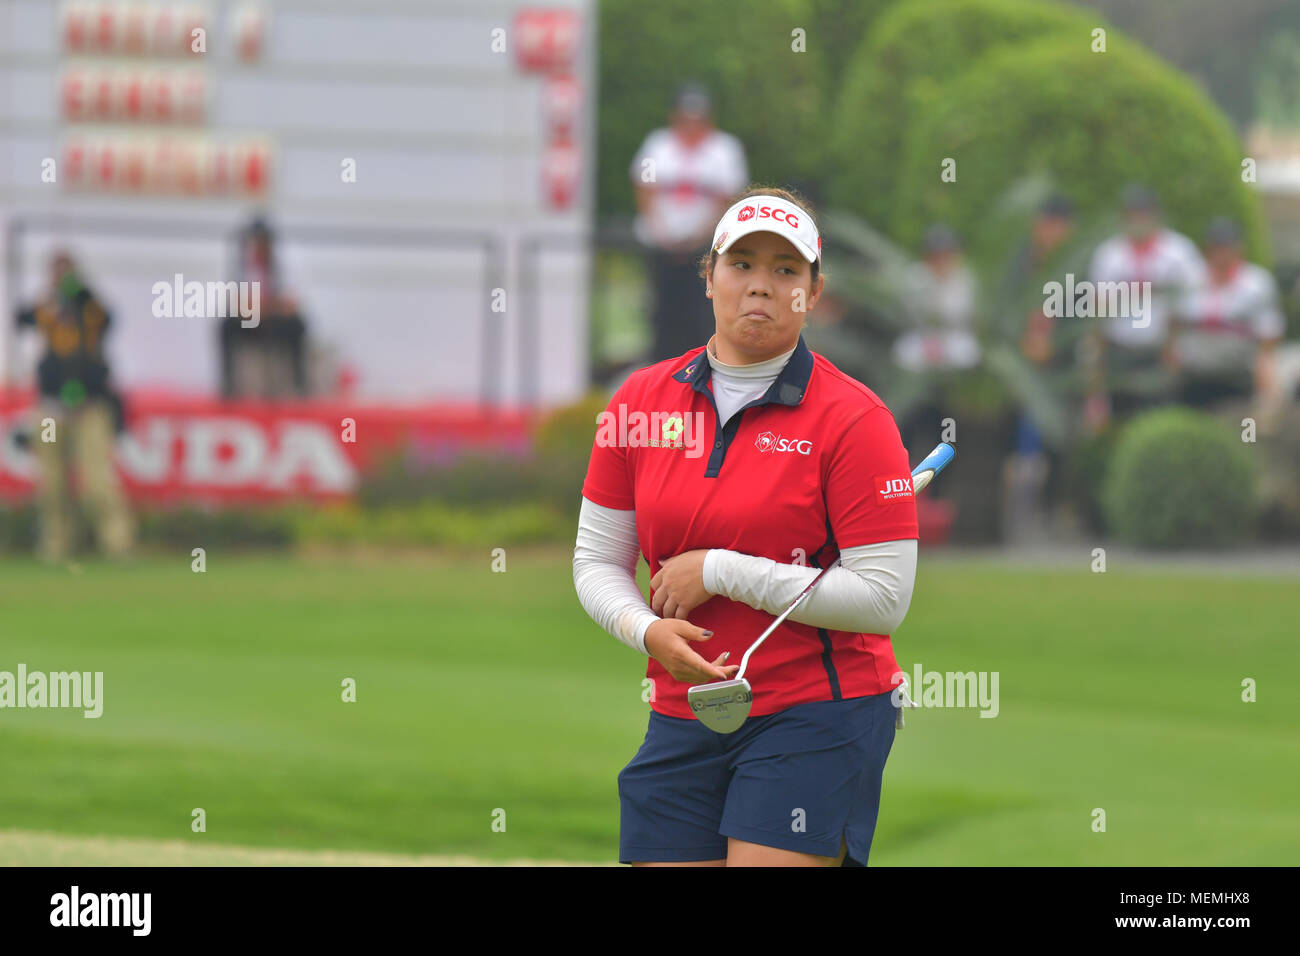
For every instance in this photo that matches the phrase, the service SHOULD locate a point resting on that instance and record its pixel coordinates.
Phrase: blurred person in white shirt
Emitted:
(940, 297)
(1224, 343)
(939, 294)
(684, 174)
(1146, 251)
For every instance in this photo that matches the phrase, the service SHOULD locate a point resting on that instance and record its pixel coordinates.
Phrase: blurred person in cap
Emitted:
(1146, 251)
(266, 360)
(939, 294)
(684, 174)
(1032, 464)
(1052, 227)
(73, 380)
(1223, 346)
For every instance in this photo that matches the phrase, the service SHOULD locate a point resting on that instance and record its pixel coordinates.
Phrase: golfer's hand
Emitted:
(669, 642)
(679, 585)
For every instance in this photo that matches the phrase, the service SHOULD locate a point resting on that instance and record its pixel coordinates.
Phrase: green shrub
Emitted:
(174, 528)
(191, 527)
(550, 476)
(478, 478)
(1086, 462)
(1178, 479)
(17, 528)
(568, 431)
(432, 524)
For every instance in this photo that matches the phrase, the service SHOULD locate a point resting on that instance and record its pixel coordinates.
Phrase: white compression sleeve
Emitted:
(604, 573)
(869, 594)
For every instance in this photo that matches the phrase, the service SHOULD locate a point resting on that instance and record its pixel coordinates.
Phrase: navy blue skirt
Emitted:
(799, 779)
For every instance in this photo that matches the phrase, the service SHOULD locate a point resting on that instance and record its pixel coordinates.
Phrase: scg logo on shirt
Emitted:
(775, 443)
(891, 489)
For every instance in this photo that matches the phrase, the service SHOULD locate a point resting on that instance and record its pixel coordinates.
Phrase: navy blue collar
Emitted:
(788, 389)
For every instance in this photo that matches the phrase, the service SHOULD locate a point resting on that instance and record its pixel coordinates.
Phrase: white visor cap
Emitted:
(768, 214)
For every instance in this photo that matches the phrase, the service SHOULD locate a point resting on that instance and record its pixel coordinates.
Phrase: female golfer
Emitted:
(738, 470)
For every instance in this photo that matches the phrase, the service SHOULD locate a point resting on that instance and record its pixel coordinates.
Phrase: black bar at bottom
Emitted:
(901, 908)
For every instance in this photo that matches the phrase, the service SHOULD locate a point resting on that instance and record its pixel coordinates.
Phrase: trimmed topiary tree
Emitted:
(913, 48)
(1179, 479)
(1092, 121)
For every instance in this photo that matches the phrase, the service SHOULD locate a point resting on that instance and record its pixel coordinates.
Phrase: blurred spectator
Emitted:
(1051, 228)
(939, 293)
(1138, 342)
(85, 412)
(268, 360)
(940, 296)
(684, 175)
(1032, 465)
(1223, 347)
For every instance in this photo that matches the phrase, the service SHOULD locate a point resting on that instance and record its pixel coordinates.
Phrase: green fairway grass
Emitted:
(481, 691)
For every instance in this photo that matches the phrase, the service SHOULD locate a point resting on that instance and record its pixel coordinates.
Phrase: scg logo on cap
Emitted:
(769, 212)
(786, 218)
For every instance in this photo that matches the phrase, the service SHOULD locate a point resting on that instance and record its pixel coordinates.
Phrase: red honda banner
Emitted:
(187, 449)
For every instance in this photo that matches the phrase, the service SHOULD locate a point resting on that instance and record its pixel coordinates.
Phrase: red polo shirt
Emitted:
(814, 465)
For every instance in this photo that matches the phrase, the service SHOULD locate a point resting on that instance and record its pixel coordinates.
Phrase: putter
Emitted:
(724, 705)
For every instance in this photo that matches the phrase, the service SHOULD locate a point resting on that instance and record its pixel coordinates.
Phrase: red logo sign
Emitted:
(185, 448)
(746, 213)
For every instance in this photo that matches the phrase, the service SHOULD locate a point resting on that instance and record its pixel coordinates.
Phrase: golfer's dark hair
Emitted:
(710, 258)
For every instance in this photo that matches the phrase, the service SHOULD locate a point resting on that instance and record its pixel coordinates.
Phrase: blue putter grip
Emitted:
(932, 464)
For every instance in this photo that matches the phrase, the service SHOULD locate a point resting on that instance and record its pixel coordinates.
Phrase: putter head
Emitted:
(721, 706)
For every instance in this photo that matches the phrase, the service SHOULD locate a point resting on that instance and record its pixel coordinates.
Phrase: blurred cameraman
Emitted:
(85, 413)
(266, 361)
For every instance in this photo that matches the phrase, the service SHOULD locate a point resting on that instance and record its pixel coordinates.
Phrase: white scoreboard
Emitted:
(427, 164)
